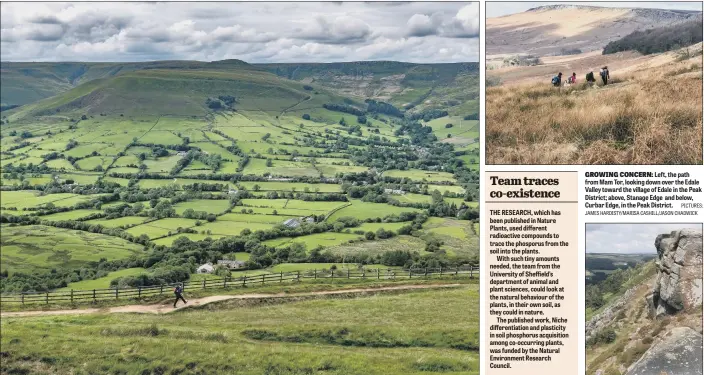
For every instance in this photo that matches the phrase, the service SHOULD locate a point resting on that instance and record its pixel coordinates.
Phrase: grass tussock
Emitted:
(154, 331)
(648, 117)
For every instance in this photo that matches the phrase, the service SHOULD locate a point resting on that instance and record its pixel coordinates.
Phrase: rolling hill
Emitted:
(451, 86)
(555, 29)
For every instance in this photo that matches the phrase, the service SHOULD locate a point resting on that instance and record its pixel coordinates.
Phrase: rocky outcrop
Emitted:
(609, 314)
(678, 353)
(678, 285)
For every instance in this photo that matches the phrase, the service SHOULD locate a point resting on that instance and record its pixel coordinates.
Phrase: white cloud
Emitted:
(254, 32)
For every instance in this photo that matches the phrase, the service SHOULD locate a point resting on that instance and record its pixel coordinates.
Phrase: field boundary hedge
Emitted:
(95, 295)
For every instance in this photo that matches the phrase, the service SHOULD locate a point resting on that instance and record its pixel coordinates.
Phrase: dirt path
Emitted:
(168, 307)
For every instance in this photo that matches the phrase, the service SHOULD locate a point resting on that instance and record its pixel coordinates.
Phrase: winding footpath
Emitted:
(166, 308)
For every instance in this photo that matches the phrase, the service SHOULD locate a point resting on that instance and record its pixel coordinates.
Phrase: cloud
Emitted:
(341, 29)
(255, 32)
(627, 238)
(464, 24)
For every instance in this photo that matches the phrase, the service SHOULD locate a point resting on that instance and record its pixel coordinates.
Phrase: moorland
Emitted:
(649, 112)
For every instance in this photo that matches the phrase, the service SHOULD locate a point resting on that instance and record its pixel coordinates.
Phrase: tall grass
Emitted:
(648, 117)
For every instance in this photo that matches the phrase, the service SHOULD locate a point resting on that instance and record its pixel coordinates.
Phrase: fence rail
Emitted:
(95, 295)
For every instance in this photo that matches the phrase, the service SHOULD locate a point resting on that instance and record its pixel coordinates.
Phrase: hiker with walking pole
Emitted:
(178, 291)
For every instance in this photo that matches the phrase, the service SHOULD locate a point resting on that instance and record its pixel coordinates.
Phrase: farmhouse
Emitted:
(394, 191)
(182, 153)
(232, 191)
(231, 264)
(206, 268)
(292, 223)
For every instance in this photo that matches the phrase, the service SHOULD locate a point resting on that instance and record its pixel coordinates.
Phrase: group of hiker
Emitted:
(571, 80)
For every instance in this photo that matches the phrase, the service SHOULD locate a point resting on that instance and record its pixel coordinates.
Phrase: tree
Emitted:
(369, 235)
(306, 116)
(84, 117)
(256, 187)
(269, 163)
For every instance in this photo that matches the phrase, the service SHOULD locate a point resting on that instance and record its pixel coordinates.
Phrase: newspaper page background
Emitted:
(576, 352)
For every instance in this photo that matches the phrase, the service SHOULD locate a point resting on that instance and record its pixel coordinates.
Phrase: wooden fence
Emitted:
(233, 282)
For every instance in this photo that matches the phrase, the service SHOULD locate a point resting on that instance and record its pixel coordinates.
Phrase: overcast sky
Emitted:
(254, 32)
(503, 8)
(628, 238)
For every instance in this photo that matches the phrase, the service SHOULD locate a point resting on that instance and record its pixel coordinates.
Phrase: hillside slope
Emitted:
(655, 324)
(173, 91)
(554, 29)
(28, 82)
(452, 86)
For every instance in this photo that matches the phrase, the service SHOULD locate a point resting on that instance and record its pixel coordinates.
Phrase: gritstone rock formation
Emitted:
(678, 286)
(679, 353)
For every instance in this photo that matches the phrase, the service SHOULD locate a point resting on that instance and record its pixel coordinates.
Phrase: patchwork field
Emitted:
(38, 247)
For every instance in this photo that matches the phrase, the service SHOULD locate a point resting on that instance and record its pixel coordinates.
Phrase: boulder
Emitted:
(678, 353)
(678, 285)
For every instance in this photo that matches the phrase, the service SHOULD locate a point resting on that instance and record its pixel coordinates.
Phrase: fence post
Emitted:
(426, 273)
(116, 292)
(409, 272)
(47, 298)
(244, 281)
(161, 289)
(203, 283)
(224, 282)
(457, 270)
(298, 276)
(71, 295)
(22, 298)
(281, 278)
(348, 273)
(377, 274)
(262, 279)
(315, 274)
(471, 272)
(332, 274)
(139, 291)
(440, 271)
(94, 295)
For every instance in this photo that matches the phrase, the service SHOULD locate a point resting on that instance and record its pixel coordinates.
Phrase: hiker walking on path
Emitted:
(604, 75)
(572, 79)
(557, 80)
(178, 291)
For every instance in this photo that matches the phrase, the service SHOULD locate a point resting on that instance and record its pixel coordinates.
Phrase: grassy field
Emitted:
(345, 336)
(103, 282)
(367, 210)
(33, 247)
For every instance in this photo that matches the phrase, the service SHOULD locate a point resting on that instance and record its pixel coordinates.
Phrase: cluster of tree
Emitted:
(211, 160)
(474, 116)
(658, 40)
(7, 107)
(158, 276)
(24, 134)
(221, 102)
(71, 144)
(190, 213)
(615, 283)
(374, 106)
(427, 115)
(344, 108)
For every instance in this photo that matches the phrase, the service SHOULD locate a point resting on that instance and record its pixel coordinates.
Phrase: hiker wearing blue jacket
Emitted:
(178, 291)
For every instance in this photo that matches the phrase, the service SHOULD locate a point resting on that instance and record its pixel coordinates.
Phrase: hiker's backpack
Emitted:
(177, 290)
(555, 80)
(590, 76)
